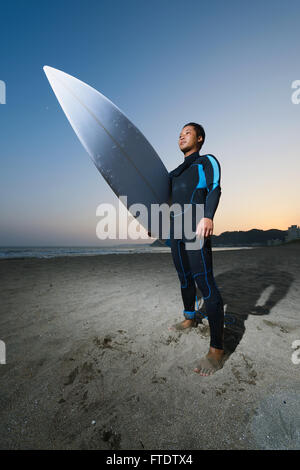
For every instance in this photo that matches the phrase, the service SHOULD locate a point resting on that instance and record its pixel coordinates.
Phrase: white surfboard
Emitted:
(122, 154)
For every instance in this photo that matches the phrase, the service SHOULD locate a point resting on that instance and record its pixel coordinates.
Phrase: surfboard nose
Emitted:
(47, 69)
(52, 73)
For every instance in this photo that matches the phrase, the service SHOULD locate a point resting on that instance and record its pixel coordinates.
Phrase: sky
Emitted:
(227, 65)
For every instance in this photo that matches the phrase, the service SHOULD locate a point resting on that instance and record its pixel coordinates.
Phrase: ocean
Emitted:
(58, 251)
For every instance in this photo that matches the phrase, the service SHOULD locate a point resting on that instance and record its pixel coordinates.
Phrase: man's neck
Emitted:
(190, 152)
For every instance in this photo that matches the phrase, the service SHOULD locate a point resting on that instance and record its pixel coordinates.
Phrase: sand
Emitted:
(91, 364)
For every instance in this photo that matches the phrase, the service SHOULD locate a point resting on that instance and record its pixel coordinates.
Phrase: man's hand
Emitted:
(205, 228)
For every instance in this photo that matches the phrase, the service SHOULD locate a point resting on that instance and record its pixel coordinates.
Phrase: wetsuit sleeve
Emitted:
(212, 172)
(170, 189)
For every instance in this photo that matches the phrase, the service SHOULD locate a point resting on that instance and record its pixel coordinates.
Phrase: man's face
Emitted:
(188, 139)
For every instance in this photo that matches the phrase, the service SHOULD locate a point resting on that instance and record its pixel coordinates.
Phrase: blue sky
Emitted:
(228, 65)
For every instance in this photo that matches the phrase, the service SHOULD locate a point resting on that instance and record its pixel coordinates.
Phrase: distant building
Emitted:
(293, 233)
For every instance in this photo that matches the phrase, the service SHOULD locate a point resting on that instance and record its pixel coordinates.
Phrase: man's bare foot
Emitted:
(183, 325)
(210, 363)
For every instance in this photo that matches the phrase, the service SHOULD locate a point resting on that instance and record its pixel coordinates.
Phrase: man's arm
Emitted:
(212, 171)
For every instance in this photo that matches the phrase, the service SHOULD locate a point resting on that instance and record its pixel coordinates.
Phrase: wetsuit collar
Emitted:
(186, 163)
(191, 158)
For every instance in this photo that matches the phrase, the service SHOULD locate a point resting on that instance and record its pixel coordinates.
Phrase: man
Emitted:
(197, 181)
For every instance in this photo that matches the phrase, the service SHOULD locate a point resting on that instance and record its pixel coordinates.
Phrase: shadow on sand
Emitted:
(251, 291)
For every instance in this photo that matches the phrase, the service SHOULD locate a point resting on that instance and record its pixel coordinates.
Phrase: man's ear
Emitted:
(201, 139)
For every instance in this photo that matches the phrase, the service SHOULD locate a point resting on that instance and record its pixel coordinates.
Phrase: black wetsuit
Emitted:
(197, 181)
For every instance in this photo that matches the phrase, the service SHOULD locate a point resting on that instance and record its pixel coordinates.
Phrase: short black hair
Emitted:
(199, 131)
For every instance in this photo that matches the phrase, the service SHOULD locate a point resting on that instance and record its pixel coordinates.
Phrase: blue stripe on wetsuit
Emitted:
(202, 183)
(216, 172)
(202, 180)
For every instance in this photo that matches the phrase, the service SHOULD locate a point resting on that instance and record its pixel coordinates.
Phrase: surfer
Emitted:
(197, 181)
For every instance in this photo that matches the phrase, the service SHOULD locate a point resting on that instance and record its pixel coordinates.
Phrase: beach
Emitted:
(91, 364)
